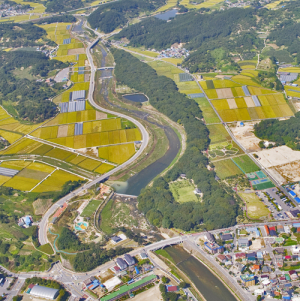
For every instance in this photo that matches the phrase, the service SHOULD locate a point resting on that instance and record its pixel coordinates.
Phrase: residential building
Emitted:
(209, 237)
(279, 251)
(121, 263)
(243, 243)
(280, 229)
(129, 260)
(240, 256)
(213, 248)
(255, 268)
(266, 269)
(172, 288)
(143, 255)
(222, 258)
(248, 280)
(226, 237)
(116, 239)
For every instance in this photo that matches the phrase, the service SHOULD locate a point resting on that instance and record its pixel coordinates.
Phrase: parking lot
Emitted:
(271, 192)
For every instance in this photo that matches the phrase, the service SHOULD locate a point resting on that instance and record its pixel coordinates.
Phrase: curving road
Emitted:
(43, 228)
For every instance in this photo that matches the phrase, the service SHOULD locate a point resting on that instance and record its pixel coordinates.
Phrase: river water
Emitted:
(206, 282)
(167, 15)
(140, 180)
(136, 97)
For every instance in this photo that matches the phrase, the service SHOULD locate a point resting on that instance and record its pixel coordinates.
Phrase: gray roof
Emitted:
(243, 241)
(129, 259)
(8, 172)
(76, 95)
(226, 237)
(121, 263)
(44, 292)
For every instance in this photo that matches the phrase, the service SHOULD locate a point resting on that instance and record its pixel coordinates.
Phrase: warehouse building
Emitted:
(44, 292)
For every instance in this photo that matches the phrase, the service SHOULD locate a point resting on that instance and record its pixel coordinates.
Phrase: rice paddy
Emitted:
(33, 174)
(117, 153)
(205, 4)
(226, 168)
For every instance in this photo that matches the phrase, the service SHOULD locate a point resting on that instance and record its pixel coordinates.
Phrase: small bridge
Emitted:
(106, 68)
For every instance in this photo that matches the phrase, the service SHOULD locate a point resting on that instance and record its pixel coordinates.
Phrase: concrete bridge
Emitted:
(106, 68)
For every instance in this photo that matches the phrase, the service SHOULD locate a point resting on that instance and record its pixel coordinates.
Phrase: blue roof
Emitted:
(292, 193)
(296, 225)
(297, 200)
(27, 220)
(137, 270)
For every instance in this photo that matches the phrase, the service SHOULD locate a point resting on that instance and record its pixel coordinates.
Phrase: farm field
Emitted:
(141, 51)
(31, 174)
(208, 112)
(226, 168)
(256, 209)
(90, 208)
(168, 5)
(205, 4)
(218, 133)
(56, 181)
(245, 164)
(183, 191)
(290, 69)
(117, 153)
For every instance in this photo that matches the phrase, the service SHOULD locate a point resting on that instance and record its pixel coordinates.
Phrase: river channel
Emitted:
(206, 282)
(140, 180)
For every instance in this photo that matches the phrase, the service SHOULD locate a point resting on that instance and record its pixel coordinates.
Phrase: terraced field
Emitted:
(229, 99)
(35, 175)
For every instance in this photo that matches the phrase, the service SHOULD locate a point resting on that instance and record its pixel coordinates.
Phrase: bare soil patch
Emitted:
(232, 104)
(224, 93)
(62, 131)
(152, 294)
(288, 172)
(100, 115)
(40, 206)
(76, 51)
(249, 102)
(246, 136)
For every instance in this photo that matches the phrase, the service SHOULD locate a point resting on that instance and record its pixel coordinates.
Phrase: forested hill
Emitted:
(218, 209)
(17, 35)
(31, 98)
(54, 6)
(285, 132)
(110, 16)
(229, 31)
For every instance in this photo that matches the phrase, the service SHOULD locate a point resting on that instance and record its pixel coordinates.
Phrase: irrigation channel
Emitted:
(140, 180)
(206, 282)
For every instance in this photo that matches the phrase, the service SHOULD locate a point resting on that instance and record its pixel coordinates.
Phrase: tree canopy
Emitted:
(218, 210)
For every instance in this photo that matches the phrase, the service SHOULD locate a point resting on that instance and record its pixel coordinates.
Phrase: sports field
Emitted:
(256, 209)
(90, 208)
(226, 168)
(183, 191)
(245, 164)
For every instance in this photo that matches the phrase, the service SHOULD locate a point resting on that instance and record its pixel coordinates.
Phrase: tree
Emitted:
(183, 284)
(164, 279)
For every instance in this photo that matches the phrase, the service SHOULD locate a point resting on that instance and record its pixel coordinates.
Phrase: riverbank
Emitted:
(207, 283)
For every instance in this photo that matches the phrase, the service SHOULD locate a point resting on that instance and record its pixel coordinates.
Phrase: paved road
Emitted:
(145, 136)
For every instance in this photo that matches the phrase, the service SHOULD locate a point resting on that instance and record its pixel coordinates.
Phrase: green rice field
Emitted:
(245, 164)
(226, 168)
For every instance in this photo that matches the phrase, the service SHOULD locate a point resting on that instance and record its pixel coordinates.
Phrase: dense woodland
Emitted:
(17, 35)
(110, 16)
(31, 98)
(55, 6)
(218, 210)
(285, 132)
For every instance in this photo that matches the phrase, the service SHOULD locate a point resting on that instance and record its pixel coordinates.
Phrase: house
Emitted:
(121, 263)
(222, 258)
(248, 280)
(255, 268)
(266, 269)
(288, 257)
(209, 237)
(239, 256)
(183, 176)
(253, 230)
(143, 255)
(287, 228)
(213, 248)
(259, 255)
(243, 243)
(251, 256)
(129, 260)
(197, 191)
(259, 291)
(116, 239)
(226, 237)
(229, 257)
(279, 251)
(280, 229)
(172, 288)
(293, 274)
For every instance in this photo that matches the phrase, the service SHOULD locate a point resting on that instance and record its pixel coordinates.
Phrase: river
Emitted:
(140, 180)
(206, 282)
